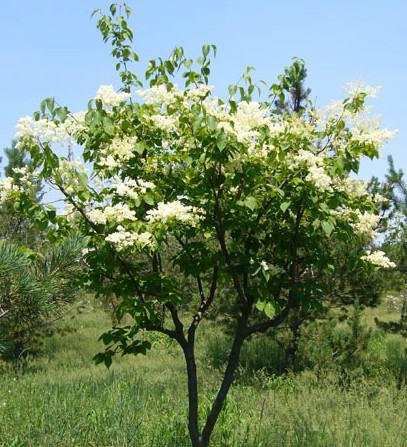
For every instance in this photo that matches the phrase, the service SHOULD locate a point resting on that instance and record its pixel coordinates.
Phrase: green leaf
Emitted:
(250, 202)
(50, 102)
(62, 113)
(232, 90)
(284, 206)
(221, 141)
(316, 224)
(104, 357)
(108, 126)
(51, 214)
(266, 307)
(149, 199)
(205, 50)
(260, 305)
(269, 310)
(266, 274)
(139, 147)
(113, 8)
(212, 123)
(327, 227)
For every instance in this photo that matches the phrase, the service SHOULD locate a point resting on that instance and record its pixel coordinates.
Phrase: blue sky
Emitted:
(52, 48)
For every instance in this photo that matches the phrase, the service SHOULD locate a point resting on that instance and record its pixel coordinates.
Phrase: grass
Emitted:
(63, 399)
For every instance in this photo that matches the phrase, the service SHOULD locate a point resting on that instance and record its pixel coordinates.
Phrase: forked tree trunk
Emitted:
(202, 438)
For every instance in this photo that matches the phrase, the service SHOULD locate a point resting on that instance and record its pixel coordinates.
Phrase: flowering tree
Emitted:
(245, 197)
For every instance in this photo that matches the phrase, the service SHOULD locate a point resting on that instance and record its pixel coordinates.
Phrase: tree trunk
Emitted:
(295, 329)
(226, 383)
(199, 439)
(193, 422)
(403, 316)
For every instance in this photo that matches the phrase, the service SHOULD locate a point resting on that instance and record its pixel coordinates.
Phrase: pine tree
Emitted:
(35, 289)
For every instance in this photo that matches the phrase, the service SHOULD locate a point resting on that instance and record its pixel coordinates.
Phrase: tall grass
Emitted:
(64, 400)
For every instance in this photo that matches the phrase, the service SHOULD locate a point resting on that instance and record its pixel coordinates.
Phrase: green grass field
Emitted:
(63, 399)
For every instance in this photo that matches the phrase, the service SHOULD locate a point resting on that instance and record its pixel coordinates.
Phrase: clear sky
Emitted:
(52, 48)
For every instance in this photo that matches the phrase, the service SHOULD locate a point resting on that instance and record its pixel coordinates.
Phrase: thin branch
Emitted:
(220, 232)
(179, 327)
(198, 277)
(265, 325)
(205, 304)
(111, 247)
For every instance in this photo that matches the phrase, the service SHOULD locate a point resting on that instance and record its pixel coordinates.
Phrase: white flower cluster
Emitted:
(198, 92)
(332, 111)
(26, 178)
(114, 214)
(74, 123)
(166, 212)
(215, 107)
(319, 178)
(131, 188)
(308, 158)
(109, 97)
(276, 127)
(364, 128)
(48, 131)
(43, 130)
(363, 223)
(70, 212)
(378, 258)
(123, 239)
(165, 123)
(299, 127)
(316, 172)
(355, 187)
(248, 117)
(71, 173)
(353, 88)
(116, 153)
(7, 189)
(367, 130)
(380, 199)
(159, 95)
(366, 223)
(260, 151)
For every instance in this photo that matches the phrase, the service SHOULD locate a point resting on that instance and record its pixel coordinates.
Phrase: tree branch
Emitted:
(220, 232)
(205, 304)
(264, 326)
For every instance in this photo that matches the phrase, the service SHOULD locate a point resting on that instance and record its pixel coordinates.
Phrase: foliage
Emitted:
(13, 225)
(291, 94)
(395, 243)
(244, 195)
(35, 288)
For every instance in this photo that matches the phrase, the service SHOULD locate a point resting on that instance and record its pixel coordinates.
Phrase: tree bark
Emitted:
(228, 377)
(193, 420)
(295, 329)
(403, 316)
